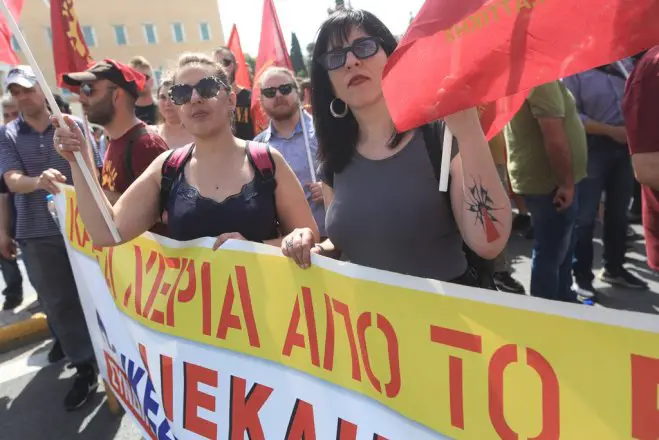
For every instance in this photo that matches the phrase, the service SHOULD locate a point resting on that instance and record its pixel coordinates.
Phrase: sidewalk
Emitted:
(24, 324)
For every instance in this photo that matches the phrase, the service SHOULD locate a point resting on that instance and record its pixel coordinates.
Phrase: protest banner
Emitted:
(204, 344)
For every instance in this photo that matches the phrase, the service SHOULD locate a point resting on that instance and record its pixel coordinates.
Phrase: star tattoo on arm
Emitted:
(479, 202)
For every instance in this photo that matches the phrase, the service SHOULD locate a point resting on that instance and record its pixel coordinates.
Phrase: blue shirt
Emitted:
(294, 151)
(599, 95)
(30, 152)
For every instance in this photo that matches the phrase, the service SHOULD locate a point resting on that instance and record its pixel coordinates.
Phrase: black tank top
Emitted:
(251, 212)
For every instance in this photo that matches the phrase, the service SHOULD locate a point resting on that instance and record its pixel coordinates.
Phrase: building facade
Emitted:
(159, 30)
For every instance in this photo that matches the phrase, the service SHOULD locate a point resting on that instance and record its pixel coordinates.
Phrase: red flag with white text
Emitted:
(69, 47)
(478, 51)
(242, 70)
(272, 52)
(7, 53)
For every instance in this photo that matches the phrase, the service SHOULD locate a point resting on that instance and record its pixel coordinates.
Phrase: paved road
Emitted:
(31, 392)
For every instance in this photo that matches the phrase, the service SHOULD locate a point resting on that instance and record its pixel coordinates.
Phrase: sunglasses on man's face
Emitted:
(226, 62)
(88, 89)
(361, 48)
(284, 89)
(206, 88)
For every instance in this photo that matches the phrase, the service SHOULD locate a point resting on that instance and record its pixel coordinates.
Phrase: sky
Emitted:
(304, 18)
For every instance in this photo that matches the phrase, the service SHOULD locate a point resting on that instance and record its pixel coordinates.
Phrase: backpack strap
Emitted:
(261, 159)
(264, 165)
(128, 153)
(171, 170)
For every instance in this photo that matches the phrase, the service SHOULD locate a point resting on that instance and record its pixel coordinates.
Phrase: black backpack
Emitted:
(433, 136)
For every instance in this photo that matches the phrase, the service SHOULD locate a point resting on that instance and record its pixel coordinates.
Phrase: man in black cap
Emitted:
(108, 92)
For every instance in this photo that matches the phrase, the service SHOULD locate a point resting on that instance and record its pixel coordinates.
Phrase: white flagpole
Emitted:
(624, 70)
(89, 179)
(446, 159)
(307, 145)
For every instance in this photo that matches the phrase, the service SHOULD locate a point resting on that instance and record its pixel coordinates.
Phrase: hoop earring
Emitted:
(335, 113)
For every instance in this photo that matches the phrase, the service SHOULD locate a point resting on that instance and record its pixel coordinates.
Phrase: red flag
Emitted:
(69, 48)
(7, 54)
(478, 51)
(272, 52)
(242, 70)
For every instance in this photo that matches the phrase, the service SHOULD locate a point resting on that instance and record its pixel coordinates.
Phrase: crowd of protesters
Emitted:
(330, 175)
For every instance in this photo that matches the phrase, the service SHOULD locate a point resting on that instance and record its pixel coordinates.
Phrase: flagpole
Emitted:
(89, 179)
(446, 159)
(307, 145)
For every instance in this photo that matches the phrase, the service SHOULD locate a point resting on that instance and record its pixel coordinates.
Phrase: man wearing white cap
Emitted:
(32, 168)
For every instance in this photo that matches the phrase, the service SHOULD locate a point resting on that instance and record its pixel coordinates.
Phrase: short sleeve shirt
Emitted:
(145, 149)
(528, 163)
(25, 150)
(641, 108)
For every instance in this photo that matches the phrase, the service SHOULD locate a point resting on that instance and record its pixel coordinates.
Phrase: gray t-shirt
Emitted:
(389, 214)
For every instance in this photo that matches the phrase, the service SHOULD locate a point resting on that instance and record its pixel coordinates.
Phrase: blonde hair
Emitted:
(139, 62)
(275, 70)
(201, 60)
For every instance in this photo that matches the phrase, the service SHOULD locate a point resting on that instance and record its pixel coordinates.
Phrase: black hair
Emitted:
(337, 137)
(61, 103)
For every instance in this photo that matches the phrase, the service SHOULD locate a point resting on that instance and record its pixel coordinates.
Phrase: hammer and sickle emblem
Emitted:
(73, 30)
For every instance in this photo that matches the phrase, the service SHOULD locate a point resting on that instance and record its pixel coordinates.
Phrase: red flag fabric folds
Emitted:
(478, 51)
(242, 70)
(7, 53)
(272, 52)
(69, 48)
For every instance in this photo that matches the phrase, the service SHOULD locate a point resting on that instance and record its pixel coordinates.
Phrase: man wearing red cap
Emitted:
(108, 92)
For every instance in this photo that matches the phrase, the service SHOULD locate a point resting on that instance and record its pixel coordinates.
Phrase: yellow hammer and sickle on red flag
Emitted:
(72, 30)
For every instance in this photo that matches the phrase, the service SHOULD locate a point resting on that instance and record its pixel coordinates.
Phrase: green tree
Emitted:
(297, 58)
(251, 62)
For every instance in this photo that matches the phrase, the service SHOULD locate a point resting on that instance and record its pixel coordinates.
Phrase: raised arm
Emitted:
(480, 202)
(136, 210)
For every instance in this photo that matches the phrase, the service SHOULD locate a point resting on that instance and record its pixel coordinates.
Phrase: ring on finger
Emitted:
(289, 243)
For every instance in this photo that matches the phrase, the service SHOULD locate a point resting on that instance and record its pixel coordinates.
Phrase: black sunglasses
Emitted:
(226, 62)
(207, 88)
(362, 48)
(284, 89)
(87, 89)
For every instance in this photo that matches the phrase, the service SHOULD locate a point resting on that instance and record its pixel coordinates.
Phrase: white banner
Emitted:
(240, 343)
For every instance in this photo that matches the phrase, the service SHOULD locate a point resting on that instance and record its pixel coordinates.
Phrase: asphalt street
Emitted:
(31, 391)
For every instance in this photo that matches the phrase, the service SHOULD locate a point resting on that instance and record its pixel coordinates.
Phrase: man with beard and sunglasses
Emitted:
(281, 100)
(243, 124)
(108, 92)
(31, 169)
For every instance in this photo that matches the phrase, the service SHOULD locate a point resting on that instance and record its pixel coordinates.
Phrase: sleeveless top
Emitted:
(389, 214)
(252, 212)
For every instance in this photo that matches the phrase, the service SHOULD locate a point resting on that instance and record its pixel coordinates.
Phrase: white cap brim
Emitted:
(21, 81)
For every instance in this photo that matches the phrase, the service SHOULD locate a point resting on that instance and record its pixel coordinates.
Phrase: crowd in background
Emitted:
(329, 175)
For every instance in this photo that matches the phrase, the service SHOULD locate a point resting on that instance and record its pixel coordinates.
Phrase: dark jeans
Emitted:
(49, 271)
(609, 171)
(13, 278)
(553, 247)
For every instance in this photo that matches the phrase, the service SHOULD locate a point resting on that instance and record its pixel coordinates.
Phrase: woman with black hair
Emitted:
(381, 191)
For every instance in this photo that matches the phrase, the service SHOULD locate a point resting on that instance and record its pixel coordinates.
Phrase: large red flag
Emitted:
(7, 54)
(272, 52)
(242, 70)
(69, 48)
(478, 51)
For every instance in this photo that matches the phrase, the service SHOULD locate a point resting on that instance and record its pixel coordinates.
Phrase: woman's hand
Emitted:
(227, 236)
(299, 245)
(68, 140)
